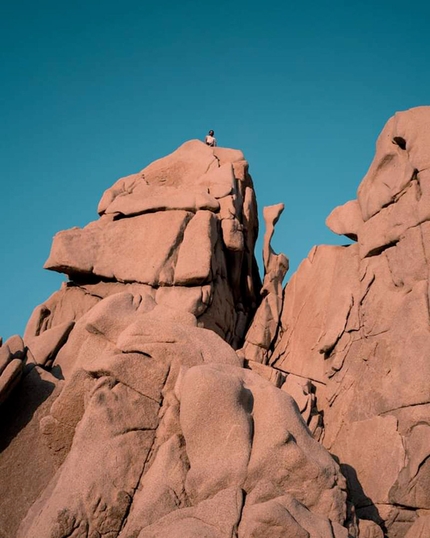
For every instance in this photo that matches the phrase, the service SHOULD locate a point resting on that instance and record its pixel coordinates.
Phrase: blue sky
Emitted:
(94, 90)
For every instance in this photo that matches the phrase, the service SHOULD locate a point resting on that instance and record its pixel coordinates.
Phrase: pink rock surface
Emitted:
(44, 348)
(159, 402)
(420, 529)
(194, 261)
(10, 378)
(12, 354)
(178, 233)
(145, 422)
(146, 199)
(159, 249)
(12, 349)
(401, 151)
(26, 466)
(346, 220)
(66, 305)
(356, 320)
(263, 330)
(182, 168)
(314, 314)
(109, 250)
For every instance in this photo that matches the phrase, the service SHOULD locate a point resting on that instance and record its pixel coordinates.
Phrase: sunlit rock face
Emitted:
(166, 391)
(181, 231)
(160, 431)
(355, 324)
(144, 420)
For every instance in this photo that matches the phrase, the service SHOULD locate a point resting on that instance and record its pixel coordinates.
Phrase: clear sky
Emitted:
(93, 90)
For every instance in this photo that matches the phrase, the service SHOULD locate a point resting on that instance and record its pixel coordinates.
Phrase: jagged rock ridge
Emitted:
(355, 329)
(127, 411)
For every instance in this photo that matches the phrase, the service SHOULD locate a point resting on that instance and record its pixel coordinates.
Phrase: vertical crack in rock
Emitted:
(148, 456)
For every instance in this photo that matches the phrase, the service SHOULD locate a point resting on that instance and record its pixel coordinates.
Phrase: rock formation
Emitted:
(355, 326)
(165, 391)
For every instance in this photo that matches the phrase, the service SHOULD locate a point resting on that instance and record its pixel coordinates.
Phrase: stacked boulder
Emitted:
(181, 231)
(135, 416)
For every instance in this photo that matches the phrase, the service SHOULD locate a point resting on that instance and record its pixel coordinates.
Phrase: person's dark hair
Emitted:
(211, 133)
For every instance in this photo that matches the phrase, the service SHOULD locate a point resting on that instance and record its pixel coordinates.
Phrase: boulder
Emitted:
(12, 355)
(346, 220)
(109, 250)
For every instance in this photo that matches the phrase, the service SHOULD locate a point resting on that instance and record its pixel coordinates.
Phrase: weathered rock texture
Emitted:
(138, 417)
(182, 232)
(12, 354)
(126, 411)
(355, 327)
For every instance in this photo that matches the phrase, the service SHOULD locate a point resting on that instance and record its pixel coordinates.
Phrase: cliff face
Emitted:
(165, 391)
(354, 331)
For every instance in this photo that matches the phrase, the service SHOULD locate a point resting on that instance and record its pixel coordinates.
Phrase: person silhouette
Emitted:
(210, 139)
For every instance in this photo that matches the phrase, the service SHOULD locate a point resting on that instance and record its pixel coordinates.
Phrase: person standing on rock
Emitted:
(210, 140)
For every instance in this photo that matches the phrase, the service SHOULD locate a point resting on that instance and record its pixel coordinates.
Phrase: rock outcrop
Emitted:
(147, 423)
(355, 326)
(165, 391)
(182, 231)
(12, 354)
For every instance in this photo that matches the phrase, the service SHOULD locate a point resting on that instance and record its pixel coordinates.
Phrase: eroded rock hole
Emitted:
(401, 142)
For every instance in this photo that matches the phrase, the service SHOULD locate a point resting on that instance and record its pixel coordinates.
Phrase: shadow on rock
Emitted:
(22, 404)
(364, 506)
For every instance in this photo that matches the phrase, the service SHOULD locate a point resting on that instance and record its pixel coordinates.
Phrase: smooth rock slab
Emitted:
(383, 450)
(45, 347)
(317, 305)
(194, 262)
(136, 249)
(10, 378)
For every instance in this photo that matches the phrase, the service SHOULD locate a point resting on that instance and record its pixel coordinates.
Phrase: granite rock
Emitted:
(128, 412)
(355, 323)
